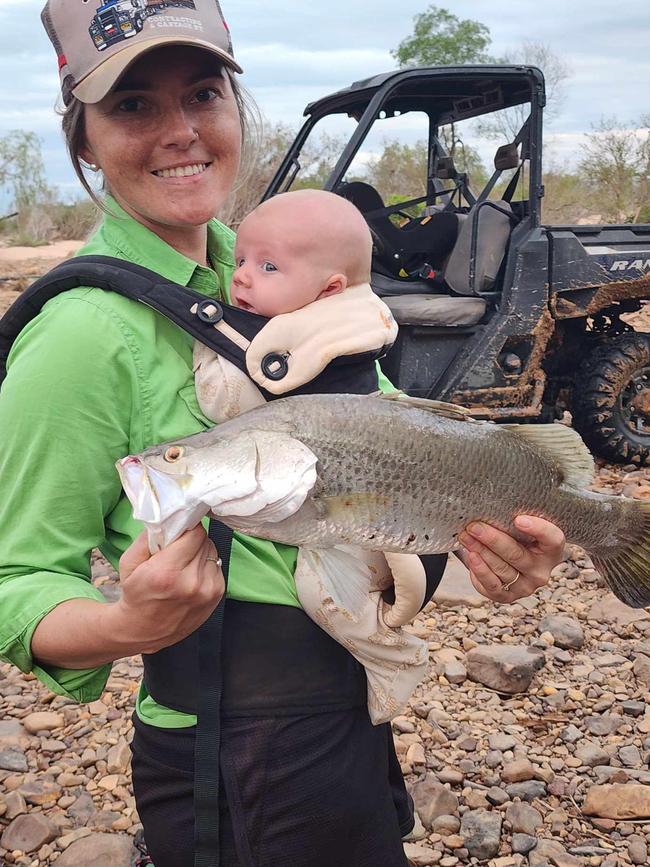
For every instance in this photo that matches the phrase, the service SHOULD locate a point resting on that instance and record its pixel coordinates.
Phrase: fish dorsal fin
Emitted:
(438, 407)
(564, 445)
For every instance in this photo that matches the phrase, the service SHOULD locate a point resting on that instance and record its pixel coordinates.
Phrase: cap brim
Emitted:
(100, 81)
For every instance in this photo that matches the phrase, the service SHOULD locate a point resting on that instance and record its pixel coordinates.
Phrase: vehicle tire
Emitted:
(611, 399)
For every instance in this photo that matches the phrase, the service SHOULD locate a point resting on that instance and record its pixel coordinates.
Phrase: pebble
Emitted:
(517, 772)
(522, 748)
(45, 721)
(567, 633)
(527, 791)
(523, 843)
(28, 832)
(523, 819)
(432, 799)
(481, 831)
(506, 669)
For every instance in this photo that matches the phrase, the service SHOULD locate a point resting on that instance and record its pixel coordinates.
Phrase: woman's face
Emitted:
(167, 138)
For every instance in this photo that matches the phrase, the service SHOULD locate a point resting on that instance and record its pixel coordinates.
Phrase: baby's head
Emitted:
(297, 247)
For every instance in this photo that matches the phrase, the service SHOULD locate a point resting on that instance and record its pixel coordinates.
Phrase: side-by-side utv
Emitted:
(498, 311)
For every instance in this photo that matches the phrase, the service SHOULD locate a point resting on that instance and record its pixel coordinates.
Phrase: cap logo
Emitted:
(117, 20)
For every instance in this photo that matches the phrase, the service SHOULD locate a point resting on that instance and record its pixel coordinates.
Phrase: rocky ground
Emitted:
(528, 745)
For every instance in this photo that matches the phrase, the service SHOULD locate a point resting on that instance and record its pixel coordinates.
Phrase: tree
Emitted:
(504, 125)
(22, 173)
(440, 38)
(616, 166)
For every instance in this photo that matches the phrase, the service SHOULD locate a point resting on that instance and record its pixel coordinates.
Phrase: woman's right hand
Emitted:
(167, 595)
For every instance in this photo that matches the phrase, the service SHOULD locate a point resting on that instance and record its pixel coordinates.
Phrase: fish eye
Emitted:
(173, 453)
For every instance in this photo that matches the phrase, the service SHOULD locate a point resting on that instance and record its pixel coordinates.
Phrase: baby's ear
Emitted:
(333, 285)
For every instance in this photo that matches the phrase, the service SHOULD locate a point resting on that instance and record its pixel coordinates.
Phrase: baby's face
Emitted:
(271, 276)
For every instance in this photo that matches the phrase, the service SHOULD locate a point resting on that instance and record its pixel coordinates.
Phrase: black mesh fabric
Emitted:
(303, 791)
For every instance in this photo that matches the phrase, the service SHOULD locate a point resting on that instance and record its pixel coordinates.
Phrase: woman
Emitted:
(95, 377)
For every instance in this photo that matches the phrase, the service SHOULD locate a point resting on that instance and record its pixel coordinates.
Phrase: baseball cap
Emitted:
(96, 41)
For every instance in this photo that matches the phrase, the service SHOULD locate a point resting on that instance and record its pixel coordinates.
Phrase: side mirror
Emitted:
(506, 157)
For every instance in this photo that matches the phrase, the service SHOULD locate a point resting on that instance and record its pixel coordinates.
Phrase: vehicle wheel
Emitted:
(611, 399)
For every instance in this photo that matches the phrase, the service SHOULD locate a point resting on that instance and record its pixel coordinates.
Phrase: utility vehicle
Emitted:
(498, 311)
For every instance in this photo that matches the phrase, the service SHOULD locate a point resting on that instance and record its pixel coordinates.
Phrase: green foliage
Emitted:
(400, 172)
(22, 173)
(440, 38)
(616, 167)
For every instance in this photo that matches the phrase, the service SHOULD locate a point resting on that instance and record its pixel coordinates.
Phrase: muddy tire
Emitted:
(611, 399)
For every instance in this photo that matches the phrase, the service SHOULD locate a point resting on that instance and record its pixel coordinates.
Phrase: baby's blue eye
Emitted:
(240, 262)
(269, 266)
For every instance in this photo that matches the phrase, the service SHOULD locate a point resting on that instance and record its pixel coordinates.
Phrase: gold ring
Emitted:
(514, 581)
(217, 560)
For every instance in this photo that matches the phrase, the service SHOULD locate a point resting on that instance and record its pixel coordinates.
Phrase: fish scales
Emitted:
(398, 474)
(417, 478)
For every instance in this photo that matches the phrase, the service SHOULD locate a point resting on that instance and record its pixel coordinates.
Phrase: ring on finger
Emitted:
(514, 581)
(217, 560)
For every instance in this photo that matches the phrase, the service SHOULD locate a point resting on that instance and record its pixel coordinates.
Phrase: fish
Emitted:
(389, 473)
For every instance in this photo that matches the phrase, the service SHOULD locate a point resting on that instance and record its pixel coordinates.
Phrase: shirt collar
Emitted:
(130, 240)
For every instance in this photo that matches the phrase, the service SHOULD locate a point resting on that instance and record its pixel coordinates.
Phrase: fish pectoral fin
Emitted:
(343, 573)
(564, 446)
(437, 407)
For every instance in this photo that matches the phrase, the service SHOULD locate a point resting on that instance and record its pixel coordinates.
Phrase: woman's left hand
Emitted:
(504, 569)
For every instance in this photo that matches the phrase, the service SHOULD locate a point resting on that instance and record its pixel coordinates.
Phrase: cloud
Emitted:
(294, 55)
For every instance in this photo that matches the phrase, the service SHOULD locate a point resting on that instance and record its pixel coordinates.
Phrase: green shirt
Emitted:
(96, 376)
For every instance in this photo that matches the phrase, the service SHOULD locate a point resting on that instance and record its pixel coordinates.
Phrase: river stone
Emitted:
(504, 668)
(13, 760)
(637, 849)
(446, 825)
(618, 801)
(99, 850)
(481, 831)
(28, 832)
(82, 809)
(591, 755)
(523, 819)
(501, 743)
(523, 843)
(45, 720)
(432, 799)
(41, 792)
(550, 852)
(16, 804)
(609, 609)
(12, 733)
(630, 756)
(518, 771)
(605, 724)
(528, 790)
(566, 631)
(420, 856)
(641, 669)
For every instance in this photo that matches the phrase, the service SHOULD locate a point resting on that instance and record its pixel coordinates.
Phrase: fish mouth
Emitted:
(159, 501)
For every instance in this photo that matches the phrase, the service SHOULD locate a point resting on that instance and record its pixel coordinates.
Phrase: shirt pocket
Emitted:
(188, 395)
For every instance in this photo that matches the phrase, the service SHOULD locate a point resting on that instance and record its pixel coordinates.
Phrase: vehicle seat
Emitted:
(428, 239)
(494, 229)
(443, 310)
(412, 303)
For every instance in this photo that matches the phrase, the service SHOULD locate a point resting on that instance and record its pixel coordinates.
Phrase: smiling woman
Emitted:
(152, 103)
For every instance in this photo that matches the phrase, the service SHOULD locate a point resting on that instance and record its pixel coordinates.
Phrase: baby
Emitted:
(305, 256)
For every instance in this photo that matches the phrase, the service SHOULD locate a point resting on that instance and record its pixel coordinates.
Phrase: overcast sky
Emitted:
(294, 52)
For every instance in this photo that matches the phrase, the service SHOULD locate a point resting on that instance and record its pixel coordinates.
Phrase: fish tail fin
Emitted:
(627, 569)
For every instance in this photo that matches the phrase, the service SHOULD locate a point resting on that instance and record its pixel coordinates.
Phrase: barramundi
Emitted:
(386, 473)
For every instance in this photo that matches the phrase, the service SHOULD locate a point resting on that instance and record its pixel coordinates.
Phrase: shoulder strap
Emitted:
(191, 310)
